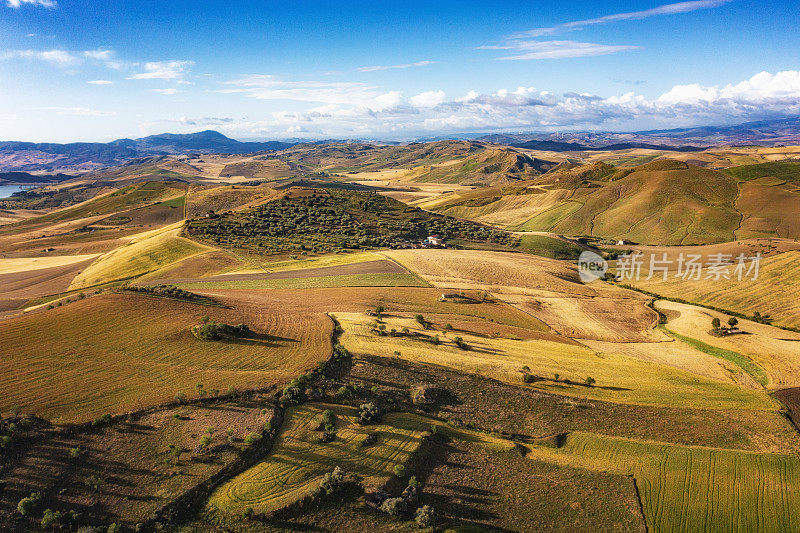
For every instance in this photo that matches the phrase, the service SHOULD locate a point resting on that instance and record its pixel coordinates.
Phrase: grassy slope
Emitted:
(126, 198)
(772, 293)
(619, 378)
(549, 247)
(116, 352)
(299, 460)
(145, 253)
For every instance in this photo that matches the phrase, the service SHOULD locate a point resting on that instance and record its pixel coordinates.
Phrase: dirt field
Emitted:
(132, 464)
(117, 352)
(601, 318)
(479, 486)
(20, 287)
(499, 272)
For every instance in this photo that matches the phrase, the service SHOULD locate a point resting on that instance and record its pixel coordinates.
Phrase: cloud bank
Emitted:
(354, 109)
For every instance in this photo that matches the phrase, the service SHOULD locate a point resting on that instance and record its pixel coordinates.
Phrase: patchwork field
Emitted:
(618, 378)
(299, 459)
(693, 488)
(777, 351)
(118, 352)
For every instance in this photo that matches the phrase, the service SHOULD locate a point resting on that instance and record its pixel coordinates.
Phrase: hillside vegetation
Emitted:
(324, 220)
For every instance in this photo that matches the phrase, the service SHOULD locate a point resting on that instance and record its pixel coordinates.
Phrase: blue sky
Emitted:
(88, 70)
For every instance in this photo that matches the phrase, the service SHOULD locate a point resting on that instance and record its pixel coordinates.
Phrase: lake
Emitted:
(8, 190)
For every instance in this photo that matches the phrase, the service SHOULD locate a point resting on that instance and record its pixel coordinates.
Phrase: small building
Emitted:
(434, 240)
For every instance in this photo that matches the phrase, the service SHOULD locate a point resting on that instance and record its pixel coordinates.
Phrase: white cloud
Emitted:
(100, 82)
(16, 4)
(169, 91)
(356, 110)
(268, 87)
(163, 70)
(78, 111)
(667, 9)
(428, 99)
(66, 58)
(556, 49)
(62, 58)
(392, 67)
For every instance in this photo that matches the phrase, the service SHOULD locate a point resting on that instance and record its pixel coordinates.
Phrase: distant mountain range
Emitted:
(81, 157)
(765, 132)
(38, 157)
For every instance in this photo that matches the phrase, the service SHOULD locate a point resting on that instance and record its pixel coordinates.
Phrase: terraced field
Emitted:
(117, 352)
(619, 378)
(299, 460)
(693, 488)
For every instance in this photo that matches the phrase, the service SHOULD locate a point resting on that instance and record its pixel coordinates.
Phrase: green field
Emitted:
(788, 170)
(299, 460)
(692, 488)
(549, 247)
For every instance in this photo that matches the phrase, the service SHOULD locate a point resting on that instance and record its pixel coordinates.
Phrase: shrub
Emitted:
(212, 331)
(368, 413)
(294, 393)
(328, 420)
(414, 483)
(74, 453)
(333, 481)
(399, 470)
(51, 519)
(29, 504)
(527, 378)
(424, 516)
(342, 393)
(206, 440)
(421, 321)
(461, 343)
(102, 421)
(251, 439)
(393, 506)
(732, 321)
(715, 323)
(590, 381)
(114, 528)
(248, 513)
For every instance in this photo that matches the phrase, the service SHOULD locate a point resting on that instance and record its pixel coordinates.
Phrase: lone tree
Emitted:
(732, 321)
(715, 323)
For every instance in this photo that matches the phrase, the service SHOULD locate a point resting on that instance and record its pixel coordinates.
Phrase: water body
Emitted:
(8, 190)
